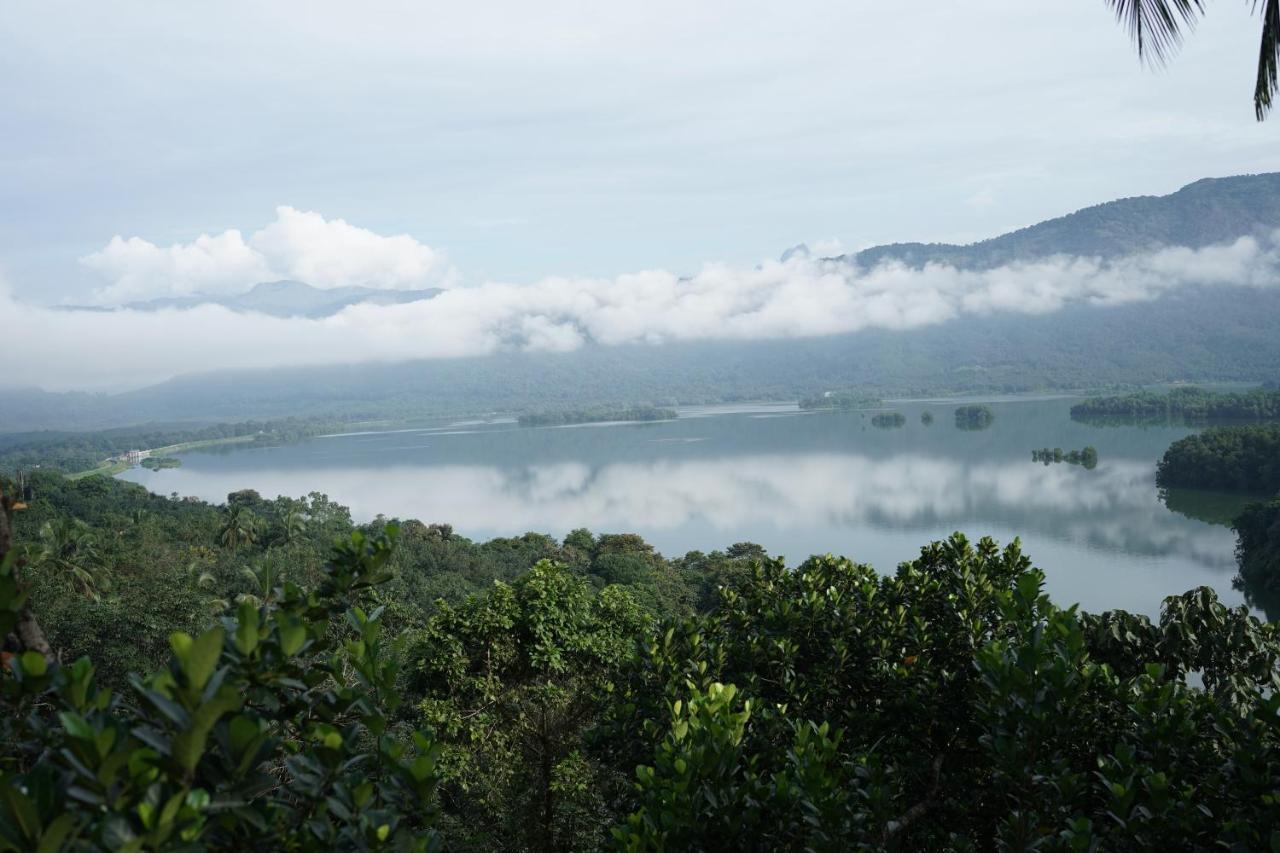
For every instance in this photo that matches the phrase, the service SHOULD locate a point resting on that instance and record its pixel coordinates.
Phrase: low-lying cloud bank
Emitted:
(800, 297)
(299, 244)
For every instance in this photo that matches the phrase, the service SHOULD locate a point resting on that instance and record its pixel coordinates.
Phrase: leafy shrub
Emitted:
(267, 731)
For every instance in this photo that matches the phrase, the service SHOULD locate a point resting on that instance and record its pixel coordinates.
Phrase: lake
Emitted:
(796, 482)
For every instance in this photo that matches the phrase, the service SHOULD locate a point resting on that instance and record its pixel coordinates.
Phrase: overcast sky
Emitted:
(515, 140)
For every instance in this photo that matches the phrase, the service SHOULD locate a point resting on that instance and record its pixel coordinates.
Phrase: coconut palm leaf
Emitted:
(1268, 56)
(1157, 27)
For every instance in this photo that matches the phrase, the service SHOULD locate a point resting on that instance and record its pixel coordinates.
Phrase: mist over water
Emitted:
(797, 483)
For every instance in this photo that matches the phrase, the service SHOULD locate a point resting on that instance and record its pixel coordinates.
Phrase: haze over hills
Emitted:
(1223, 331)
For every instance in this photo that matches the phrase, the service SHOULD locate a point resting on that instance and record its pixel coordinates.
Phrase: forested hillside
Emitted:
(1214, 334)
(1212, 210)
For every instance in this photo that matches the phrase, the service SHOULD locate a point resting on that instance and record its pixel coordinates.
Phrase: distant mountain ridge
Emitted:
(1218, 333)
(289, 299)
(1208, 211)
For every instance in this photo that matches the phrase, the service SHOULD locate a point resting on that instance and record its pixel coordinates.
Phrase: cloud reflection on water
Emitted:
(1113, 507)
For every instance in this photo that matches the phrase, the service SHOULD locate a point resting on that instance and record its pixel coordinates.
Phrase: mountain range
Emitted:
(1204, 334)
(1209, 211)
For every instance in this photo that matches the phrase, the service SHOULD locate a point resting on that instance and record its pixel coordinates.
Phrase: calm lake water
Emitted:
(798, 483)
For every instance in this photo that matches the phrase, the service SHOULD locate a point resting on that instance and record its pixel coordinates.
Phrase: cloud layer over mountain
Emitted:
(801, 297)
(298, 244)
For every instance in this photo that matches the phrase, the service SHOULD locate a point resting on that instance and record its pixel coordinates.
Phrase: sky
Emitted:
(514, 141)
(574, 172)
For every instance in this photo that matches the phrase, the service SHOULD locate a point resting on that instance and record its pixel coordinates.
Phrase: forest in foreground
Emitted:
(266, 675)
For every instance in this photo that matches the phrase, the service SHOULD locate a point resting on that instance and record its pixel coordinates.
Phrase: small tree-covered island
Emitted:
(888, 420)
(156, 463)
(1237, 458)
(839, 400)
(974, 417)
(184, 675)
(1086, 458)
(1186, 403)
(595, 416)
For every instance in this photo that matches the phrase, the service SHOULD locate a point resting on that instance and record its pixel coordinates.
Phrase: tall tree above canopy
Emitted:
(1157, 27)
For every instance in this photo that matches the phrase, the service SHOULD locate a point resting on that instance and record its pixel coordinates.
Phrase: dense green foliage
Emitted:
(1190, 404)
(502, 695)
(888, 420)
(839, 400)
(952, 706)
(1088, 457)
(595, 416)
(155, 463)
(269, 730)
(71, 451)
(974, 417)
(1238, 458)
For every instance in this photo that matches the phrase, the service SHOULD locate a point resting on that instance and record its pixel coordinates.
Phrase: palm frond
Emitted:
(1268, 56)
(1156, 25)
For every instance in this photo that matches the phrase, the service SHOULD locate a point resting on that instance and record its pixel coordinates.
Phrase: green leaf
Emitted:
(181, 644)
(170, 810)
(33, 664)
(203, 656)
(292, 635)
(189, 745)
(243, 730)
(75, 725)
(246, 638)
(23, 811)
(55, 834)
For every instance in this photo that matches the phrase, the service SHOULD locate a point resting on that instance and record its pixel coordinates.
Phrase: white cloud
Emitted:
(300, 245)
(332, 253)
(209, 264)
(801, 297)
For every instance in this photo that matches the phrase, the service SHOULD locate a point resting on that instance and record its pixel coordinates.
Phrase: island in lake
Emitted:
(974, 417)
(1186, 403)
(1088, 457)
(838, 400)
(595, 416)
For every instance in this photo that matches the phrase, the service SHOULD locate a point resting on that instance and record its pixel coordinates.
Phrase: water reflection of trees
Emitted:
(1211, 507)
(1266, 600)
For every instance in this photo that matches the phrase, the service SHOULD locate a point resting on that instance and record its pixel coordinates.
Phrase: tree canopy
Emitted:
(1237, 458)
(394, 685)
